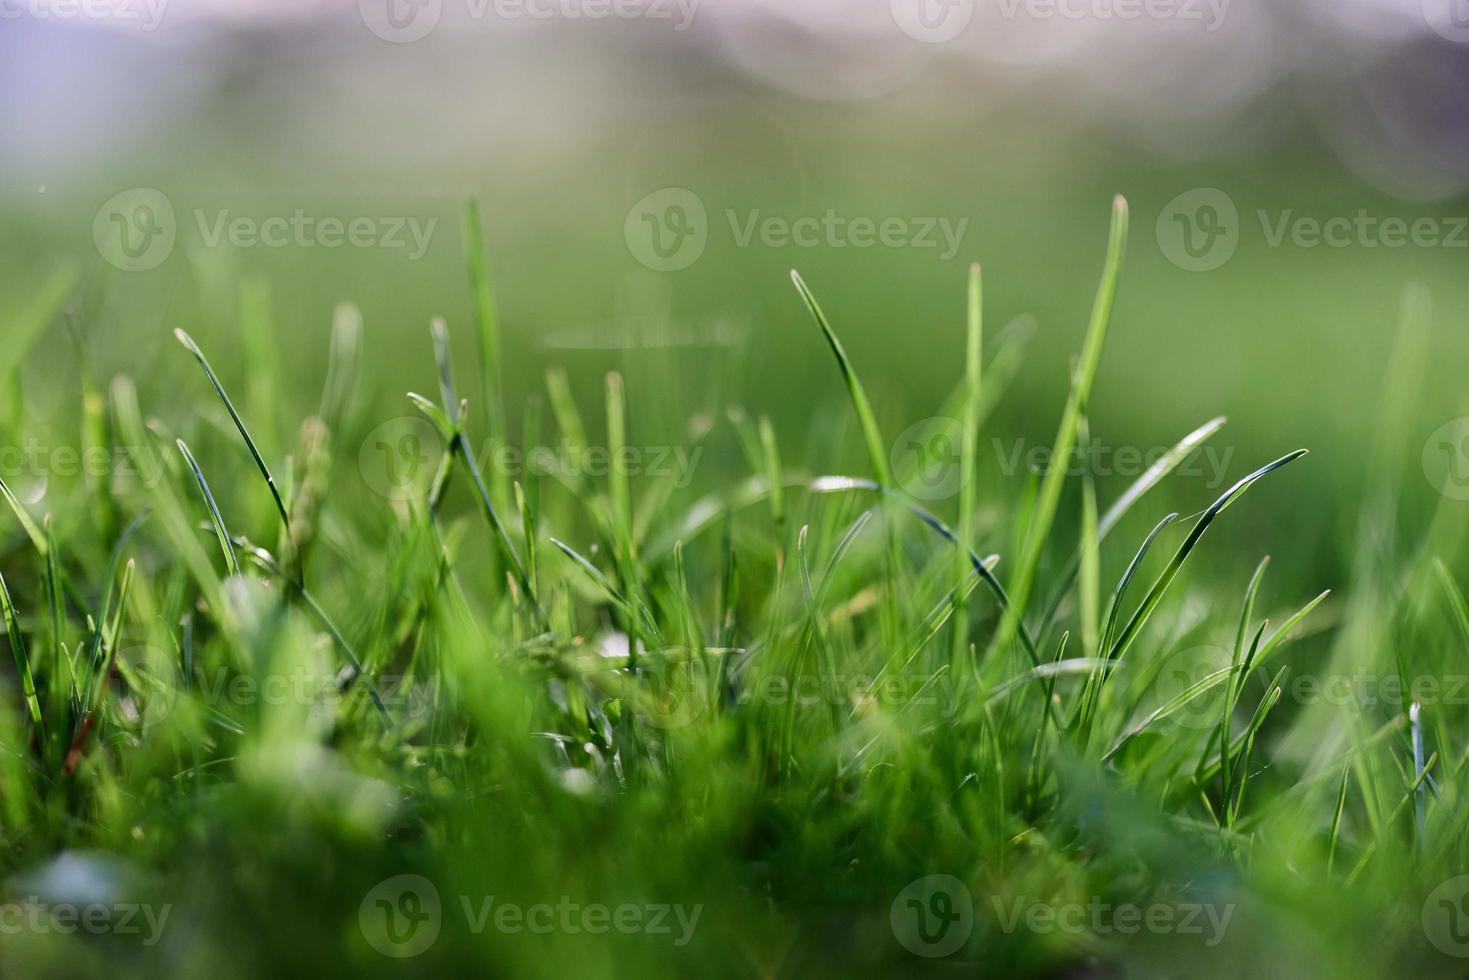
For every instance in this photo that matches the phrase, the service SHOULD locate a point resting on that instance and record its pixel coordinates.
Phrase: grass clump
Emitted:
(782, 712)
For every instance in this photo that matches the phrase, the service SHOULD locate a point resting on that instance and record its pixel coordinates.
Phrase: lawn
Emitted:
(631, 677)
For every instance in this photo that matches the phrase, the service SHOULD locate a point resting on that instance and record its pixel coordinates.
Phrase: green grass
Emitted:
(775, 704)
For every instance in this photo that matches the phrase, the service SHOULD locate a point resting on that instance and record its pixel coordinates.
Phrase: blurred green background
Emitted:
(1018, 130)
(560, 127)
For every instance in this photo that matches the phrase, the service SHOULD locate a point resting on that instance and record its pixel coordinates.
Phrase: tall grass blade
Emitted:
(876, 451)
(1049, 496)
(1160, 586)
(22, 659)
(231, 563)
(280, 504)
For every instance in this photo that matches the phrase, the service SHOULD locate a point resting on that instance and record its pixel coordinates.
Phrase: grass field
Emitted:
(627, 680)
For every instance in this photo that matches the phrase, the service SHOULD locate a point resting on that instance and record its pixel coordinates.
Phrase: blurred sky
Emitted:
(378, 84)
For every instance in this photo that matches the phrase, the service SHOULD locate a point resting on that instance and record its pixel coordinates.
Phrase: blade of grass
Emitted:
(486, 321)
(22, 660)
(280, 504)
(876, 452)
(231, 563)
(1049, 497)
(968, 450)
(1160, 586)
